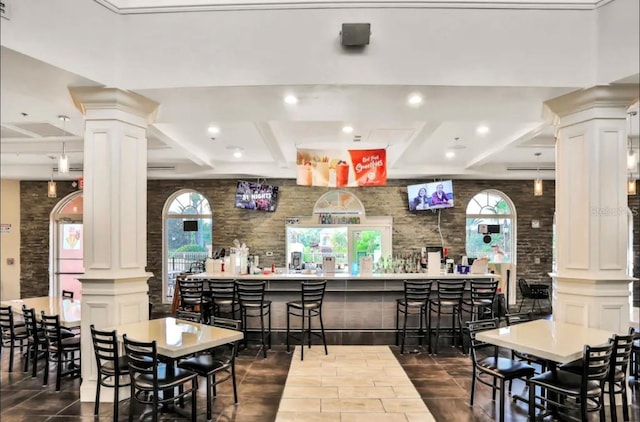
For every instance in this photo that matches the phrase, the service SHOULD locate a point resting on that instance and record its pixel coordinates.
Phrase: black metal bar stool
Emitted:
(414, 303)
(482, 297)
(223, 298)
(310, 305)
(254, 305)
(448, 302)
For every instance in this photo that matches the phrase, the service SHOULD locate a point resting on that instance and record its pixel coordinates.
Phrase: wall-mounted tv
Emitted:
(430, 196)
(256, 196)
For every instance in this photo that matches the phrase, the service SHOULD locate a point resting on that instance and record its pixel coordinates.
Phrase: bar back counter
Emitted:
(357, 309)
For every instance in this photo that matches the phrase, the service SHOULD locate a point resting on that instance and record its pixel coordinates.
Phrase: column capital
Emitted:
(612, 101)
(109, 103)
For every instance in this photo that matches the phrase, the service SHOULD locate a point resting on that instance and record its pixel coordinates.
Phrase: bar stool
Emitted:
(448, 302)
(310, 305)
(483, 294)
(414, 303)
(192, 296)
(253, 305)
(223, 298)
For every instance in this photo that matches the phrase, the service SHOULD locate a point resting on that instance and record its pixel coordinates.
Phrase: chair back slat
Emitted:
(524, 287)
(251, 294)
(483, 290)
(473, 328)
(450, 290)
(222, 290)
(6, 320)
(596, 362)
(105, 346)
(313, 292)
(621, 354)
(189, 316)
(30, 321)
(142, 358)
(417, 291)
(51, 328)
(518, 318)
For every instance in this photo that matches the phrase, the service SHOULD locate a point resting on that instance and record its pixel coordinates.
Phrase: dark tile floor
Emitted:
(443, 382)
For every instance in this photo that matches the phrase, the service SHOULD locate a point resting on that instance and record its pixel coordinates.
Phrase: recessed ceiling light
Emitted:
(450, 154)
(347, 129)
(415, 99)
(214, 130)
(482, 130)
(237, 153)
(291, 99)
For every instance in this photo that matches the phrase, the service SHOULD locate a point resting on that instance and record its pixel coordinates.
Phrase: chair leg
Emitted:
(309, 327)
(427, 319)
(25, 368)
(398, 324)
(132, 403)
(404, 330)
(302, 338)
(612, 401)
(264, 345)
(501, 400)
(96, 408)
(194, 402)
(34, 364)
(473, 386)
(116, 398)
(269, 322)
(208, 398)
(45, 379)
(324, 340)
(233, 380)
(288, 329)
(12, 345)
(625, 404)
(532, 401)
(59, 371)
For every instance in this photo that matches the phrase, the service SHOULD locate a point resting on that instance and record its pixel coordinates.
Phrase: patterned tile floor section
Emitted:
(350, 384)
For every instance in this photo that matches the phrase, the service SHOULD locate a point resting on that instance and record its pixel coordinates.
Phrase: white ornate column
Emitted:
(591, 287)
(114, 285)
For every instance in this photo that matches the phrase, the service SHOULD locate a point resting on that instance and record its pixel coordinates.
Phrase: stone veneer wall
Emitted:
(265, 231)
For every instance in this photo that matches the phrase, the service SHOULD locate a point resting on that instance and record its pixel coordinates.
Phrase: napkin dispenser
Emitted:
(433, 263)
(329, 264)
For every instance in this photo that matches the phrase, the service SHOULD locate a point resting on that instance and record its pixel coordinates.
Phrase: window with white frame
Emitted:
(187, 236)
(491, 207)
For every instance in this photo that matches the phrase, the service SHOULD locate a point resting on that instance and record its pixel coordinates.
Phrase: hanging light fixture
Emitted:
(63, 162)
(632, 187)
(52, 188)
(537, 184)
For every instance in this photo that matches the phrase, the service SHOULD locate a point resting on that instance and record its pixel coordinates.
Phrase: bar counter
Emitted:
(357, 309)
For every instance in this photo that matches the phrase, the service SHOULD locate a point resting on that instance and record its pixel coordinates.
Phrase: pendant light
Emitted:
(52, 188)
(63, 162)
(632, 187)
(537, 184)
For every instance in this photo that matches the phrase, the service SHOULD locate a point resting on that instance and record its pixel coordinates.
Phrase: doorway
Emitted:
(67, 239)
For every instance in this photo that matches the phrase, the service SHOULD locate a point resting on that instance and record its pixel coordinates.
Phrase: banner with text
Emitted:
(340, 168)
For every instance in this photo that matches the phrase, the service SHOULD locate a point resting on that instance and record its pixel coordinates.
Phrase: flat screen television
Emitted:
(256, 196)
(190, 225)
(430, 196)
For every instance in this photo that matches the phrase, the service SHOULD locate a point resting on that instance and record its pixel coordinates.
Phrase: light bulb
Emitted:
(63, 164)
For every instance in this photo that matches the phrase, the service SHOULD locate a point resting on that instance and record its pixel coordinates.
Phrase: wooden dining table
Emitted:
(66, 308)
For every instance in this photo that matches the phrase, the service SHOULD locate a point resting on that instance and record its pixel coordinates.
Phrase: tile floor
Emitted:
(442, 382)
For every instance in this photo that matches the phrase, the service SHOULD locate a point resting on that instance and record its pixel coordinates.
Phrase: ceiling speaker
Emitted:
(355, 34)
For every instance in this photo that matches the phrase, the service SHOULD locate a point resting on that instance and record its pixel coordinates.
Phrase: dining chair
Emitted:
(11, 337)
(60, 350)
(519, 318)
(254, 305)
(481, 299)
(192, 296)
(634, 362)
(581, 392)
(415, 302)
(149, 378)
(111, 366)
(309, 306)
(189, 316)
(617, 376)
(535, 292)
(219, 360)
(36, 341)
(496, 368)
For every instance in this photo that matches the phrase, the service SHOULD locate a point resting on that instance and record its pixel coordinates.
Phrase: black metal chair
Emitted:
(414, 303)
(480, 304)
(192, 297)
(223, 298)
(10, 334)
(447, 303)
(254, 305)
(575, 392)
(60, 350)
(36, 341)
(111, 366)
(634, 361)
(617, 377)
(220, 360)
(149, 378)
(535, 292)
(189, 316)
(494, 367)
(309, 305)
(519, 318)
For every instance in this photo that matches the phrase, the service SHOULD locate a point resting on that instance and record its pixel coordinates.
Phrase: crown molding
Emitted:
(127, 7)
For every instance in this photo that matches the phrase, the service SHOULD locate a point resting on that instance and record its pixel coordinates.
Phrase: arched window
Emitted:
(186, 237)
(66, 250)
(491, 227)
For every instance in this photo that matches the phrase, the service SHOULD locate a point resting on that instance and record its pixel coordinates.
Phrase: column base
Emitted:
(596, 303)
(88, 392)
